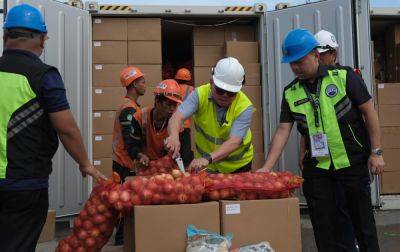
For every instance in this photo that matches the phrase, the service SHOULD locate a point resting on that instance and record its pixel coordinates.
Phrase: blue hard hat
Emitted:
(297, 44)
(25, 16)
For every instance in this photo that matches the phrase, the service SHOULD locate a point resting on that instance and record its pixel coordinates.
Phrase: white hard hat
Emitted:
(228, 75)
(326, 40)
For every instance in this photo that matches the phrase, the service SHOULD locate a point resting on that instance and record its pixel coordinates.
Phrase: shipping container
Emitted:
(90, 44)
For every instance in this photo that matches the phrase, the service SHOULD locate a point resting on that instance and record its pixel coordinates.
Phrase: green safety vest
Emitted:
(209, 134)
(336, 117)
(28, 140)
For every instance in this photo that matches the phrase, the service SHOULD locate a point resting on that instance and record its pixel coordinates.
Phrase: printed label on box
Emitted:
(99, 67)
(97, 21)
(98, 91)
(97, 44)
(232, 209)
(97, 162)
(381, 85)
(97, 114)
(98, 138)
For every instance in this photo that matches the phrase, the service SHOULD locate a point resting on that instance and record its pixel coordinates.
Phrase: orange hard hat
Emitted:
(170, 89)
(129, 74)
(183, 74)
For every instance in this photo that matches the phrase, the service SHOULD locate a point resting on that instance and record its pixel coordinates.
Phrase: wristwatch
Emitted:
(377, 151)
(208, 157)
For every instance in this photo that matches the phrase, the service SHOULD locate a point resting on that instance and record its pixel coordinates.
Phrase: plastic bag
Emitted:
(204, 241)
(259, 247)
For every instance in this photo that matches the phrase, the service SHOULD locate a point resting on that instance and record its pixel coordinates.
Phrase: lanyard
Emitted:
(314, 101)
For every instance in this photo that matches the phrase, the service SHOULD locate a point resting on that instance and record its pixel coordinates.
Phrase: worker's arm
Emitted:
(278, 144)
(132, 134)
(302, 151)
(360, 97)
(70, 136)
(375, 162)
(184, 111)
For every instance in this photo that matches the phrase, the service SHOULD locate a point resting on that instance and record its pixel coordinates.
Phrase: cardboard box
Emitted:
(390, 137)
(245, 52)
(144, 29)
(252, 73)
(163, 227)
(390, 182)
(258, 141)
(208, 36)
(111, 52)
(103, 122)
(207, 55)
(144, 52)
(392, 160)
(239, 33)
(153, 75)
(258, 161)
(388, 93)
(389, 115)
(49, 227)
(202, 75)
(257, 120)
(107, 75)
(102, 146)
(252, 221)
(254, 93)
(107, 98)
(110, 29)
(104, 165)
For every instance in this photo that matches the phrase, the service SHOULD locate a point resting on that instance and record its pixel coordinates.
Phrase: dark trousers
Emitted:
(22, 216)
(123, 172)
(186, 151)
(321, 191)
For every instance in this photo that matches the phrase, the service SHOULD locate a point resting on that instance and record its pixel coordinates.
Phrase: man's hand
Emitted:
(173, 145)
(376, 164)
(143, 159)
(264, 169)
(198, 164)
(89, 169)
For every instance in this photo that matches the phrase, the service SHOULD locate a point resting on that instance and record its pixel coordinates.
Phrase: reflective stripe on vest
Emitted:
(333, 104)
(15, 92)
(210, 134)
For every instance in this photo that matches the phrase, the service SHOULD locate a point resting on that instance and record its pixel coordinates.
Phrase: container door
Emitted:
(68, 49)
(341, 17)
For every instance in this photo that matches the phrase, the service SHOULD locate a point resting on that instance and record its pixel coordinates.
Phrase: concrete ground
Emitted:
(388, 226)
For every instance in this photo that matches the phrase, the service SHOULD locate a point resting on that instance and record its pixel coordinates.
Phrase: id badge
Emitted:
(319, 145)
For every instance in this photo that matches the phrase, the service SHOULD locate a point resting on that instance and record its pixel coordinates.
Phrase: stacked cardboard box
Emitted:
(247, 53)
(110, 56)
(163, 228)
(113, 49)
(144, 51)
(209, 48)
(389, 109)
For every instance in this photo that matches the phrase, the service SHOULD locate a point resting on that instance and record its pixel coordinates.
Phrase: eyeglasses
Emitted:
(221, 92)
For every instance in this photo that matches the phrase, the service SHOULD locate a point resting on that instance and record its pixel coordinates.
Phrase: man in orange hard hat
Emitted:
(149, 125)
(183, 77)
(133, 80)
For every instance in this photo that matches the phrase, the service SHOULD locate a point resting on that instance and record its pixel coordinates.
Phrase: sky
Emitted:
(270, 3)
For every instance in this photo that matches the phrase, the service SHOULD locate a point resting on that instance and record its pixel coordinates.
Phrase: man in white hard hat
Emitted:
(327, 47)
(222, 117)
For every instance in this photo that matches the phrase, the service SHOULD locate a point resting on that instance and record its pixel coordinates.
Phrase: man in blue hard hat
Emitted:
(34, 113)
(335, 111)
